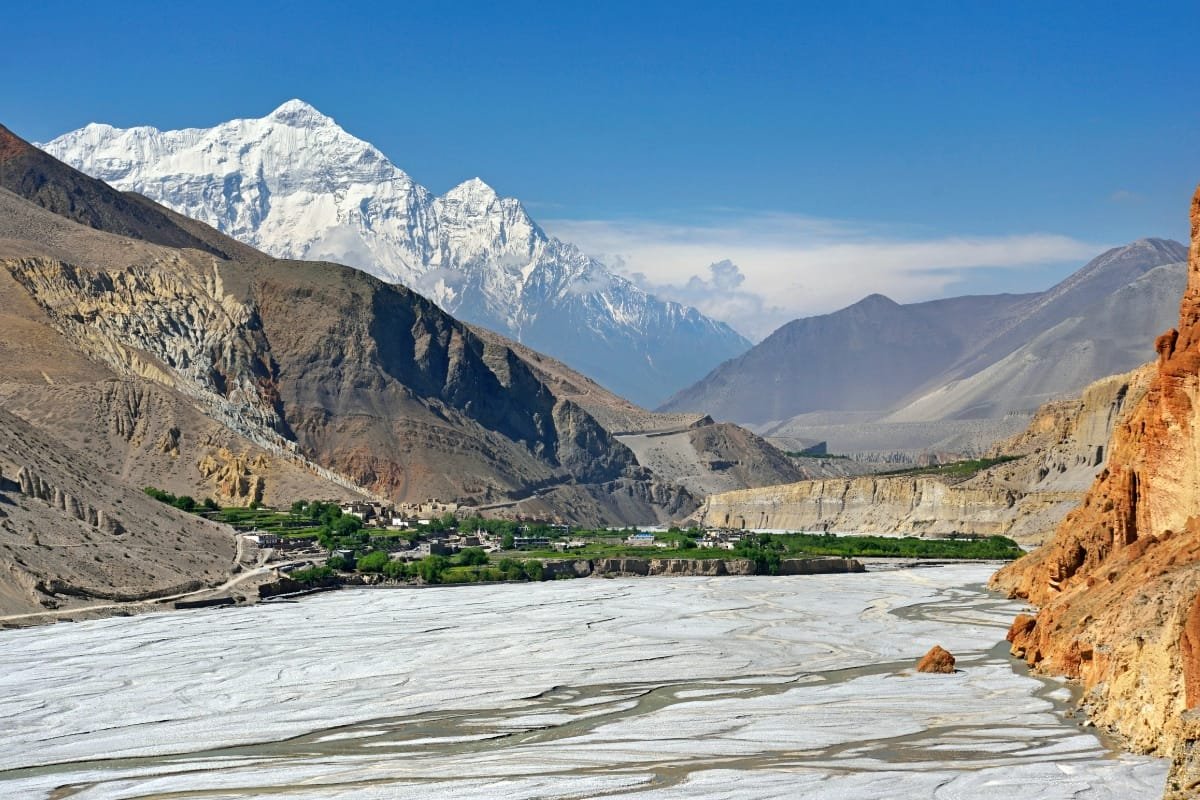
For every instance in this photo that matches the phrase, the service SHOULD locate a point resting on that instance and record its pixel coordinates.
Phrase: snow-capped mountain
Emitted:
(297, 185)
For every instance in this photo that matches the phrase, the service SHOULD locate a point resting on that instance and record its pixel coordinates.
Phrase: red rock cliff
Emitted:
(1118, 585)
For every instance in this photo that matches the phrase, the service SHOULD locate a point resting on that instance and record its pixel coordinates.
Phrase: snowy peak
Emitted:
(299, 114)
(297, 185)
(474, 192)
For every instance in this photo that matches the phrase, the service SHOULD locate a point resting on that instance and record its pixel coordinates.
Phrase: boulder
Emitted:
(936, 660)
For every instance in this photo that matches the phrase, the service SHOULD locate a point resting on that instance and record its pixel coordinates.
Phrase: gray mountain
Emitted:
(960, 358)
(296, 185)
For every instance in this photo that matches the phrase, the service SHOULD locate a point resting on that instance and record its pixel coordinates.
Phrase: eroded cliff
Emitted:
(1117, 587)
(1059, 456)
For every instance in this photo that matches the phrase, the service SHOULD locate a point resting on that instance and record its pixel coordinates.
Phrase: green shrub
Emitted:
(472, 557)
(397, 569)
(511, 570)
(312, 574)
(430, 568)
(373, 562)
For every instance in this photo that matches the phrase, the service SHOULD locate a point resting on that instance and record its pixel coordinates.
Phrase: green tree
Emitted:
(397, 569)
(533, 570)
(510, 569)
(430, 568)
(211, 505)
(508, 541)
(160, 495)
(347, 525)
(185, 503)
(373, 562)
(312, 574)
(472, 557)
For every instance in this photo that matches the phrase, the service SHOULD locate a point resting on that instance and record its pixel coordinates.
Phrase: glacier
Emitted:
(296, 185)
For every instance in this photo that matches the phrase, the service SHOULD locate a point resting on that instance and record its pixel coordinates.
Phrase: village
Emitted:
(414, 531)
(324, 543)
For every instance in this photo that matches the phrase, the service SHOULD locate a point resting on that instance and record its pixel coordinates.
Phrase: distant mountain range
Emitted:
(296, 185)
(953, 361)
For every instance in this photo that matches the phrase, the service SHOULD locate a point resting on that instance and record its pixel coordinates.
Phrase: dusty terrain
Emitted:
(69, 534)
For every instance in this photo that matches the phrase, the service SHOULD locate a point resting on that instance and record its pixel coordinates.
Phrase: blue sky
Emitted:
(1000, 142)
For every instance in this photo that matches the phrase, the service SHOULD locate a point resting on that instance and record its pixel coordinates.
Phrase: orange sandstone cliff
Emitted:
(1119, 584)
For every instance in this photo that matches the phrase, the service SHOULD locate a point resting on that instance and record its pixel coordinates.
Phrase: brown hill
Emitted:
(69, 533)
(193, 358)
(30, 173)
(1118, 585)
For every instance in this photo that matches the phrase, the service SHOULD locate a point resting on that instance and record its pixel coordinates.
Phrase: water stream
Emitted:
(648, 688)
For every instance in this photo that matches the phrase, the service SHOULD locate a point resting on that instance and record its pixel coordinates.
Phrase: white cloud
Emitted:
(790, 265)
(720, 296)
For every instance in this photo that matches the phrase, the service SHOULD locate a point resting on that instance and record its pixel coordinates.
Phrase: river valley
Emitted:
(749, 687)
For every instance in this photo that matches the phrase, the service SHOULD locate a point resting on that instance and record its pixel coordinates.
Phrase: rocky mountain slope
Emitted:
(966, 361)
(1119, 585)
(1058, 456)
(297, 186)
(69, 533)
(277, 377)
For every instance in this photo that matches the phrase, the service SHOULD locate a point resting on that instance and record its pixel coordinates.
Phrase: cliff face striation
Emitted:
(1059, 455)
(1119, 585)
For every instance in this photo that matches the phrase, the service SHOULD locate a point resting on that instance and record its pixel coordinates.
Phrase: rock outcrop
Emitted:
(1183, 781)
(33, 485)
(238, 479)
(916, 505)
(937, 660)
(1058, 457)
(1118, 586)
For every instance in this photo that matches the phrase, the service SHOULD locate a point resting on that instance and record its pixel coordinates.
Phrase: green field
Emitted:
(265, 519)
(803, 545)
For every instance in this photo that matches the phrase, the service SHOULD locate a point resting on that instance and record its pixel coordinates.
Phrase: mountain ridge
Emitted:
(934, 361)
(309, 365)
(296, 185)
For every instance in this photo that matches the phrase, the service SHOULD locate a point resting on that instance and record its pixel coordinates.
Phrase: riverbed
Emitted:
(740, 688)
